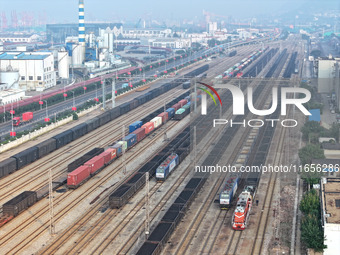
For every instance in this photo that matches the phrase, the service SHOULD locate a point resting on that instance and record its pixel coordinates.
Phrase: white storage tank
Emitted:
(63, 64)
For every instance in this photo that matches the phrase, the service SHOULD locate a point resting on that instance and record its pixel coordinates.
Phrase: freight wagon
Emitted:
(70, 135)
(164, 170)
(19, 203)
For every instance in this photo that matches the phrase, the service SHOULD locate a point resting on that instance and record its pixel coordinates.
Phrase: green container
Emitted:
(180, 111)
(124, 145)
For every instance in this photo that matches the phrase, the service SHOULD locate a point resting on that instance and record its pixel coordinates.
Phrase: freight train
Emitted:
(97, 163)
(243, 208)
(236, 70)
(179, 145)
(26, 199)
(229, 190)
(44, 148)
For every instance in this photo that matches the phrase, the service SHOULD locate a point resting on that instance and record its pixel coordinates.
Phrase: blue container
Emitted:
(134, 126)
(171, 113)
(189, 103)
(118, 148)
(131, 140)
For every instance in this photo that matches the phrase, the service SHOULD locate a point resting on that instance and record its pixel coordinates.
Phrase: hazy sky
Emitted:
(116, 10)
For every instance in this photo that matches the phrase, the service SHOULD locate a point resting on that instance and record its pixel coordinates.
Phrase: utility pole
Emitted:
(147, 212)
(103, 87)
(165, 135)
(52, 228)
(195, 94)
(113, 93)
(195, 147)
(123, 152)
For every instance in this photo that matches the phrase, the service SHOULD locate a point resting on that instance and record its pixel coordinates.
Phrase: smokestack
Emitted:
(81, 29)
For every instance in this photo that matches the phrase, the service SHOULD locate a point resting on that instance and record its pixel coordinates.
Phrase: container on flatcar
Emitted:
(118, 148)
(95, 163)
(140, 134)
(131, 140)
(134, 126)
(123, 144)
(108, 155)
(77, 176)
(157, 122)
(164, 116)
(171, 112)
(149, 127)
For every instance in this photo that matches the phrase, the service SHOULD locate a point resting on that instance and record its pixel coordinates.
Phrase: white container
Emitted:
(157, 121)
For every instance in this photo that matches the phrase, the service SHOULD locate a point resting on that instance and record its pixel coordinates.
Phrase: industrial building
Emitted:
(36, 69)
(19, 38)
(173, 43)
(330, 208)
(57, 33)
(143, 32)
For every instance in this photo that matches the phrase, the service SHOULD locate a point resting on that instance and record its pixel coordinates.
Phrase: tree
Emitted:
(311, 232)
(310, 203)
(311, 127)
(75, 116)
(309, 152)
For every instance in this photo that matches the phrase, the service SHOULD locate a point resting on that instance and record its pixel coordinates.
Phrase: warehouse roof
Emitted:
(331, 146)
(22, 56)
(315, 115)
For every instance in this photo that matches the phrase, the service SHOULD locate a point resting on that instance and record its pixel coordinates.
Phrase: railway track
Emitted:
(207, 245)
(88, 235)
(20, 246)
(22, 229)
(91, 141)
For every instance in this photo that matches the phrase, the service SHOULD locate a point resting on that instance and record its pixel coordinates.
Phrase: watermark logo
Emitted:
(204, 97)
(239, 100)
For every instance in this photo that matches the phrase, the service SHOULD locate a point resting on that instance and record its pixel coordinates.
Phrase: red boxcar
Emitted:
(164, 116)
(183, 102)
(140, 133)
(95, 163)
(77, 176)
(176, 106)
(149, 126)
(108, 155)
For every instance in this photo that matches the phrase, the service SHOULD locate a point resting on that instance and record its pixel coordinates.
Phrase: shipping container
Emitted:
(108, 155)
(80, 161)
(134, 126)
(19, 203)
(171, 112)
(157, 122)
(164, 116)
(75, 178)
(140, 134)
(131, 140)
(183, 102)
(118, 148)
(27, 116)
(149, 127)
(95, 164)
(123, 144)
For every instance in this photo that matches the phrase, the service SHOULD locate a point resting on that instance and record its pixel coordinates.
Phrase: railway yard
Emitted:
(112, 213)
